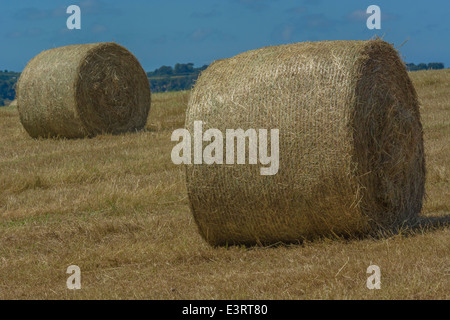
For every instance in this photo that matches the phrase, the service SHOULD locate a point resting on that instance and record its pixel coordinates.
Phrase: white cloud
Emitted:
(98, 28)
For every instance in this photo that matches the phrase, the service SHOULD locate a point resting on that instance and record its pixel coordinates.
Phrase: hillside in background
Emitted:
(178, 78)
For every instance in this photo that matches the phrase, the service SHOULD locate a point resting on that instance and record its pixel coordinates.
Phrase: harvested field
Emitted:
(117, 207)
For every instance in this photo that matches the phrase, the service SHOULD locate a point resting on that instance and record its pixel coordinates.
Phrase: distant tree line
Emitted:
(424, 66)
(8, 81)
(180, 77)
(166, 78)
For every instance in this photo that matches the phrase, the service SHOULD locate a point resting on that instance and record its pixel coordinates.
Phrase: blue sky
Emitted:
(165, 32)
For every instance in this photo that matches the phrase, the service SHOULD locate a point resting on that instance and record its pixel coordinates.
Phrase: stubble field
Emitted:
(117, 207)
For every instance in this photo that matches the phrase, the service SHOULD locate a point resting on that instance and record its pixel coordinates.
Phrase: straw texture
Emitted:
(351, 146)
(83, 90)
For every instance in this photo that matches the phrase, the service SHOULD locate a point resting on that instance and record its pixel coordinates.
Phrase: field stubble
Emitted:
(116, 206)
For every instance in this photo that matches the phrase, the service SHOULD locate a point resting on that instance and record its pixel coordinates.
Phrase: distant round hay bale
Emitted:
(13, 103)
(351, 156)
(83, 90)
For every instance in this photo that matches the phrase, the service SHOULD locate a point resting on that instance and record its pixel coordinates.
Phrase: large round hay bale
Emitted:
(83, 90)
(351, 157)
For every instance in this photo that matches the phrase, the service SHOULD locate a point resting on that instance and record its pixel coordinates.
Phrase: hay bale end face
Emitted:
(83, 90)
(351, 157)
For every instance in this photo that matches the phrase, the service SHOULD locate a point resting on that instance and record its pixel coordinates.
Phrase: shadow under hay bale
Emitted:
(351, 150)
(83, 90)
